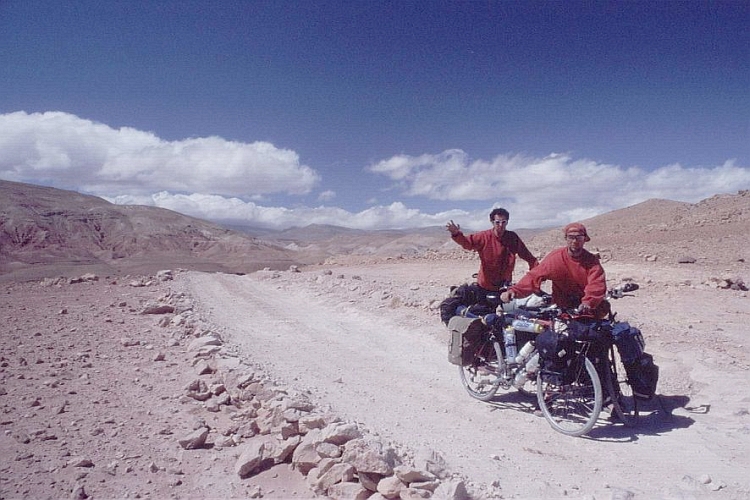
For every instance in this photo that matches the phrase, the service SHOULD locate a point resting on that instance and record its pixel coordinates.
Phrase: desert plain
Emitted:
(152, 380)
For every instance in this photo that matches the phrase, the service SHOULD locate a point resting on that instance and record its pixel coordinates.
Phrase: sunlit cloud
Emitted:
(255, 184)
(326, 195)
(556, 188)
(238, 212)
(71, 152)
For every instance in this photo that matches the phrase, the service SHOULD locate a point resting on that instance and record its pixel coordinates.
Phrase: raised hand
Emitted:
(453, 228)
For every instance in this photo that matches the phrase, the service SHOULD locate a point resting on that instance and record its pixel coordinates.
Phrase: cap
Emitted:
(576, 227)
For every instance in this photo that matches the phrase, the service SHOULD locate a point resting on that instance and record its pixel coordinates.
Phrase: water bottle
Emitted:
(524, 353)
(509, 336)
(527, 325)
(532, 366)
(521, 378)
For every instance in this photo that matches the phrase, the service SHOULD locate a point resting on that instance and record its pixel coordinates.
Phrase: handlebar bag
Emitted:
(466, 337)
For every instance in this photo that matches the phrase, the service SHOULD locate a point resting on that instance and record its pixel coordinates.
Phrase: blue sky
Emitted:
(377, 114)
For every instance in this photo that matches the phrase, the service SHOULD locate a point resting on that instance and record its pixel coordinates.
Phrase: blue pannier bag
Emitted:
(643, 376)
(629, 342)
(643, 373)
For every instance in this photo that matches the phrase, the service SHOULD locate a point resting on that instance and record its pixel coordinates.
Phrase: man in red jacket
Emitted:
(497, 249)
(577, 277)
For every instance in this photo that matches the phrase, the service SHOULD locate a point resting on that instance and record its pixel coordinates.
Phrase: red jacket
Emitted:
(497, 257)
(574, 281)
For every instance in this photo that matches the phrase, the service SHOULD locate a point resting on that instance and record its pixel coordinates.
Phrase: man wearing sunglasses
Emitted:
(577, 276)
(497, 249)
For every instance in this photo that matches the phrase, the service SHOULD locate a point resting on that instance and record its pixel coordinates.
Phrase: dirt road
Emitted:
(367, 342)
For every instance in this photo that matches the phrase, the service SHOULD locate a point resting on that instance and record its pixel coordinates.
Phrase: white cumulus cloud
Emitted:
(71, 152)
(554, 189)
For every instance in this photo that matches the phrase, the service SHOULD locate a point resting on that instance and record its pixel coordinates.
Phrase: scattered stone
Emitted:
(81, 462)
(165, 275)
(250, 459)
(157, 309)
(195, 439)
(79, 493)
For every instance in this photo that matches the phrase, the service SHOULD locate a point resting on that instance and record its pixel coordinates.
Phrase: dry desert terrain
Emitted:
(331, 379)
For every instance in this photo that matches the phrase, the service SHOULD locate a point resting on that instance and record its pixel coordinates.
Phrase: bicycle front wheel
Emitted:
(571, 409)
(481, 378)
(624, 403)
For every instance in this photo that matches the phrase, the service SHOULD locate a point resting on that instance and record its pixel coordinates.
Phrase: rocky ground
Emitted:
(96, 397)
(332, 380)
(212, 385)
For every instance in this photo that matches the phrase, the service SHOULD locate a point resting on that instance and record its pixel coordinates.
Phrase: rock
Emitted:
(81, 462)
(195, 439)
(202, 367)
(337, 473)
(340, 433)
(348, 491)
(250, 459)
(410, 474)
(451, 490)
(165, 275)
(79, 493)
(390, 487)
(367, 457)
(305, 457)
(369, 480)
(201, 342)
(157, 309)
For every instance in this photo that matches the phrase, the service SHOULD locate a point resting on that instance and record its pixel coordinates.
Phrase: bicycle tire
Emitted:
(481, 377)
(572, 409)
(624, 403)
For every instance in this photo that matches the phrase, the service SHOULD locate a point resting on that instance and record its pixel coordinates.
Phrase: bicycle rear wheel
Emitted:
(573, 408)
(624, 403)
(481, 378)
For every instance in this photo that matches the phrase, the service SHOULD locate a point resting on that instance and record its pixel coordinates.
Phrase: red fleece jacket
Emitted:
(574, 281)
(497, 257)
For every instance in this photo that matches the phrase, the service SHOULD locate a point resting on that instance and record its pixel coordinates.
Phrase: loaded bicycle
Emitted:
(574, 364)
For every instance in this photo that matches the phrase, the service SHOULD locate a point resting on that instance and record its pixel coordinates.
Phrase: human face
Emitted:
(575, 242)
(499, 224)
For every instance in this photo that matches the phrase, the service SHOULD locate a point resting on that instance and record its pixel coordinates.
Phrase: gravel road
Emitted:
(367, 342)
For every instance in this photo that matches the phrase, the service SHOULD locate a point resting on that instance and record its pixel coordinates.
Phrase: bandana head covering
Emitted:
(578, 228)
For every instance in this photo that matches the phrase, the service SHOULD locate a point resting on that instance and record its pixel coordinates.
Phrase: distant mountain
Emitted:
(713, 231)
(50, 229)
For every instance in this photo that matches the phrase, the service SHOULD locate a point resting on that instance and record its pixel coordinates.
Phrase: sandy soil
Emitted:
(93, 391)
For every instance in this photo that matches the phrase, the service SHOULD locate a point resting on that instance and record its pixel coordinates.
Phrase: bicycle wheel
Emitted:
(572, 409)
(624, 404)
(481, 378)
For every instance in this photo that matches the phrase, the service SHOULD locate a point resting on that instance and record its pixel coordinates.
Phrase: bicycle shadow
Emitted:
(514, 400)
(656, 417)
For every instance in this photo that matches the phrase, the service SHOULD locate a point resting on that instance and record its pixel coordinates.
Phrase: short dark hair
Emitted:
(499, 211)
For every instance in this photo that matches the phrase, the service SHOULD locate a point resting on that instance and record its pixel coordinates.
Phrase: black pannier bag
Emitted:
(643, 375)
(466, 337)
(555, 356)
(467, 295)
(629, 342)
